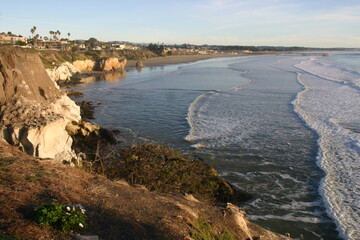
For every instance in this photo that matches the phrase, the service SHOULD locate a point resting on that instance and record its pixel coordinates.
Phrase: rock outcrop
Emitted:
(139, 64)
(34, 112)
(63, 72)
(111, 64)
(84, 65)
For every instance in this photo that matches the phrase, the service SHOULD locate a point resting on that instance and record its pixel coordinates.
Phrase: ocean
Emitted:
(285, 128)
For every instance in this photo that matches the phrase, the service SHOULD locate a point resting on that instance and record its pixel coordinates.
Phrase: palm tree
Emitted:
(58, 33)
(34, 40)
(51, 34)
(33, 31)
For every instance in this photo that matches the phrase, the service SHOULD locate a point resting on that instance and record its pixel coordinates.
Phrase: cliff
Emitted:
(66, 70)
(34, 112)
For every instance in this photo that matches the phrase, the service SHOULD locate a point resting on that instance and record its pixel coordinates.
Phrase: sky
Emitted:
(307, 23)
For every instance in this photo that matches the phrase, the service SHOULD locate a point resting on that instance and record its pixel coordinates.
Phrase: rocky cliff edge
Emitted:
(34, 112)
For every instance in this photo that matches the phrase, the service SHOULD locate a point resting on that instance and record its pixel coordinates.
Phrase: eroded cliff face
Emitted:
(84, 65)
(63, 72)
(111, 64)
(34, 112)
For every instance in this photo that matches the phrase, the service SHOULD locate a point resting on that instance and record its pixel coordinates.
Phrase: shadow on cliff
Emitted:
(110, 225)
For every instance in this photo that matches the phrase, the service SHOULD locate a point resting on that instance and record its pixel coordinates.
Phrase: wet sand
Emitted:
(176, 59)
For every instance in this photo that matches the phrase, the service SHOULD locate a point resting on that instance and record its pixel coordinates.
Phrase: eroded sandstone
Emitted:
(34, 112)
(63, 72)
(84, 65)
(112, 64)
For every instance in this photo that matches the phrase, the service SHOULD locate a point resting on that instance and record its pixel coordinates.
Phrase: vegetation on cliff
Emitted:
(157, 167)
(162, 169)
(51, 57)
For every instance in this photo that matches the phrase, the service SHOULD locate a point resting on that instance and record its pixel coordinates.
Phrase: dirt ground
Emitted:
(114, 209)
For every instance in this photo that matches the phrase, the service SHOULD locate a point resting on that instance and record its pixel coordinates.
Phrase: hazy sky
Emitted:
(313, 23)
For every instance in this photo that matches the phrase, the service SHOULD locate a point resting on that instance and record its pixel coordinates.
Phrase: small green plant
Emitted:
(225, 235)
(61, 217)
(33, 177)
(8, 237)
(204, 231)
(5, 162)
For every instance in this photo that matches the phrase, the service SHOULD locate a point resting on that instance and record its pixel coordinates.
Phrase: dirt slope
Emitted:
(114, 210)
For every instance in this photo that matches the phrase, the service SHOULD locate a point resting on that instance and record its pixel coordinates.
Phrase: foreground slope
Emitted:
(114, 210)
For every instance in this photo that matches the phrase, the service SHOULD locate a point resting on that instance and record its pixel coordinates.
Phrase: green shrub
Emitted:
(225, 235)
(163, 169)
(61, 217)
(204, 231)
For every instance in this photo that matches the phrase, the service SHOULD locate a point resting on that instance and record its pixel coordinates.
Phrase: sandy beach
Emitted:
(176, 59)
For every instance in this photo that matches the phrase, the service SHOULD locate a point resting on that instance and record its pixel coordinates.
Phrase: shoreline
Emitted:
(170, 60)
(178, 59)
(151, 62)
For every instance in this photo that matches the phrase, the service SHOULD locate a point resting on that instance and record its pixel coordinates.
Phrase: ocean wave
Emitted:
(289, 217)
(214, 128)
(323, 105)
(325, 69)
(191, 117)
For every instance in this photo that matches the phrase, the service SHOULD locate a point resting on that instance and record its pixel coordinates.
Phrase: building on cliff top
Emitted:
(53, 44)
(9, 38)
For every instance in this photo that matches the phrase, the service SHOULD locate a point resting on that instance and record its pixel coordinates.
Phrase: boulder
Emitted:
(139, 64)
(63, 72)
(84, 65)
(72, 128)
(111, 64)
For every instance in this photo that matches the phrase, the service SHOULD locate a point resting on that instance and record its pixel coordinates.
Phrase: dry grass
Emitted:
(114, 210)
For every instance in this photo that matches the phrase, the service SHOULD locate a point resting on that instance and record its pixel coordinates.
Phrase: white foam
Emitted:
(191, 117)
(289, 217)
(323, 105)
(299, 206)
(320, 67)
(198, 146)
(282, 175)
(220, 127)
